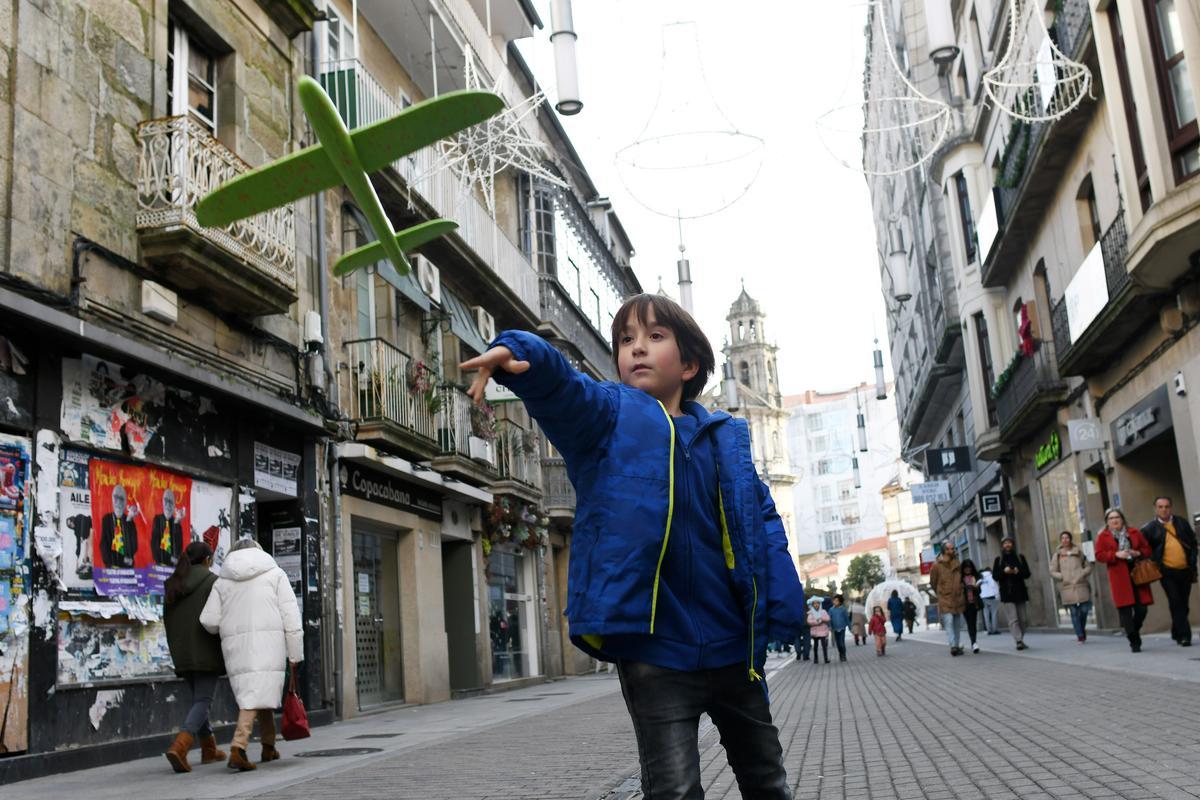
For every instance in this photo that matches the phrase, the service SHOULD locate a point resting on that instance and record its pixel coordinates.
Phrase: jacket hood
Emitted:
(196, 576)
(702, 414)
(242, 565)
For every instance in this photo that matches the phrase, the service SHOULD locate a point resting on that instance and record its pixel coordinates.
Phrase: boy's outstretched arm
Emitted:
(574, 410)
(785, 595)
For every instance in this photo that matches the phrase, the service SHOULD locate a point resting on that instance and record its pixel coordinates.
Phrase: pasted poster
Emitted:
(75, 519)
(212, 507)
(92, 650)
(286, 549)
(139, 520)
(14, 599)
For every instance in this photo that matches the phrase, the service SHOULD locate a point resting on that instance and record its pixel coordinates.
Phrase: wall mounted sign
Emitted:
(1148, 419)
(931, 492)
(991, 504)
(1048, 453)
(377, 487)
(948, 460)
(1085, 434)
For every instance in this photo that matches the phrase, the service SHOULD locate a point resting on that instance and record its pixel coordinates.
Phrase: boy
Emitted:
(679, 568)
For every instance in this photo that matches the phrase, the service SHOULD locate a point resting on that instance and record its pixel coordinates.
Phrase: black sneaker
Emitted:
(1022, 646)
(956, 651)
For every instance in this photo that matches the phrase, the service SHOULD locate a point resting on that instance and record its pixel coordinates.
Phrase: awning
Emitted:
(462, 324)
(406, 284)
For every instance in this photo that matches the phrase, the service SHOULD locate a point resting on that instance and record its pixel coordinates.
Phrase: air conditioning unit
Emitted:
(430, 279)
(485, 323)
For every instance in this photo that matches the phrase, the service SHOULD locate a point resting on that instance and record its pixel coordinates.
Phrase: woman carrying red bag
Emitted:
(1119, 546)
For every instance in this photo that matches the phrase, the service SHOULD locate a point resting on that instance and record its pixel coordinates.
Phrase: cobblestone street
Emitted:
(996, 725)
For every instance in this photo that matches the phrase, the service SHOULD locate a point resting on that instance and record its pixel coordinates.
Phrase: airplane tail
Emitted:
(407, 240)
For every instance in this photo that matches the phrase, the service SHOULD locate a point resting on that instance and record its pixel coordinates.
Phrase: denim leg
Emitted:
(202, 685)
(665, 706)
(1079, 612)
(953, 625)
(839, 637)
(743, 717)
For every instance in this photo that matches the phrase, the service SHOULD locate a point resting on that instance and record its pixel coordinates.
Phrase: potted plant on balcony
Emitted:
(483, 432)
(423, 382)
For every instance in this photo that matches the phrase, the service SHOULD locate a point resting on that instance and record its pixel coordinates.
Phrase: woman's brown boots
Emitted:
(178, 751)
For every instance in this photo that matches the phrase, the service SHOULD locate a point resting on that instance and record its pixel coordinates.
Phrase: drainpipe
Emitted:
(332, 571)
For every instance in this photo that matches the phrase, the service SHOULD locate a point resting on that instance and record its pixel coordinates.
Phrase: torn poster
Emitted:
(105, 699)
(93, 650)
(212, 507)
(16, 386)
(75, 519)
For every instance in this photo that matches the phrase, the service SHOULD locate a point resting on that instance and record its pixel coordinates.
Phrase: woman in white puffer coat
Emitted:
(253, 609)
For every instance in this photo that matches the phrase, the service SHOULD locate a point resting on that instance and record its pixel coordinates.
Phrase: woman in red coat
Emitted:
(1119, 546)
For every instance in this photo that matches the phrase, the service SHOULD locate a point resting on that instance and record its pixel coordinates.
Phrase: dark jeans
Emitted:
(820, 644)
(839, 639)
(665, 706)
(971, 615)
(202, 686)
(1132, 618)
(803, 644)
(909, 623)
(1177, 585)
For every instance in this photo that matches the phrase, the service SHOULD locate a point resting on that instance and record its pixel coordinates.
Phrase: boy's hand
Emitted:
(497, 357)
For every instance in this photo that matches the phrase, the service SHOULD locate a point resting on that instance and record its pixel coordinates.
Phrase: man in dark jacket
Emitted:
(1011, 572)
(118, 533)
(166, 533)
(1173, 545)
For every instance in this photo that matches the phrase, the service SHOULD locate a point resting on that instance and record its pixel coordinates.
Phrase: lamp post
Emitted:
(862, 423)
(880, 386)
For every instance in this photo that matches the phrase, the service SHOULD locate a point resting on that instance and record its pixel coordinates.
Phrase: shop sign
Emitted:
(1149, 418)
(948, 460)
(1048, 453)
(377, 487)
(931, 492)
(275, 469)
(1085, 434)
(991, 504)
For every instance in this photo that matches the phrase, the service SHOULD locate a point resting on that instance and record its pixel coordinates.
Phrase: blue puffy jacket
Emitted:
(619, 447)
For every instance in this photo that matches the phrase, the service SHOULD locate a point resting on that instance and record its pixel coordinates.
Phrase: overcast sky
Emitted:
(802, 237)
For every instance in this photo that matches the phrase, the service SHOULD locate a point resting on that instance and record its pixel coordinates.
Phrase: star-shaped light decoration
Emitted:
(481, 152)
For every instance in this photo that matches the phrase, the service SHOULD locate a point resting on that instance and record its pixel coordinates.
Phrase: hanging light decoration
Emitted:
(857, 474)
(862, 423)
(939, 30)
(729, 385)
(897, 262)
(880, 386)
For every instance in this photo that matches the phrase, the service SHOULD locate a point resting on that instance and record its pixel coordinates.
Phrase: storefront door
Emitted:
(509, 618)
(1060, 512)
(377, 619)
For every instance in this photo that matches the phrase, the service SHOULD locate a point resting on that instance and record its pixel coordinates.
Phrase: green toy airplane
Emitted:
(344, 156)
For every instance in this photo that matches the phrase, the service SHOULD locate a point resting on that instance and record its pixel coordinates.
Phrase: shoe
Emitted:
(1022, 646)
(841, 658)
(238, 760)
(269, 753)
(209, 752)
(993, 633)
(1185, 643)
(826, 659)
(177, 752)
(1081, 639)
(956, 651)
(974, 648)
(1135, 648)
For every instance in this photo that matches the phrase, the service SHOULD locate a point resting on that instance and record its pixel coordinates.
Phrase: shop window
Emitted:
(191, 77)
(1130, 107)
(1174, 87)
(508, 614)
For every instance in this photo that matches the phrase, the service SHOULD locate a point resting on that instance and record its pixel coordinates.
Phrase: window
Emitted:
(824, 466)
(818, 444)
(815, 422)
(826, 495)
(191, 78)
(744, 372)
(544, 231)
(1089, 214)
(339, 37)
(1131, 121)
(354, 236)
(985, 363)
(1174, 87)
(964, 217)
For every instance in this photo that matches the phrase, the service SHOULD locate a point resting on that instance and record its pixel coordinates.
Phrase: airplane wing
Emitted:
(408, 240)
(310, 170)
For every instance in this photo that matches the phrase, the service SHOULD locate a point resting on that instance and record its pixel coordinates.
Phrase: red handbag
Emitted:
(295, 718)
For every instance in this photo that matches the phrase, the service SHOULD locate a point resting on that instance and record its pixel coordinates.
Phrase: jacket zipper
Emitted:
(662, 553)
(727, 546)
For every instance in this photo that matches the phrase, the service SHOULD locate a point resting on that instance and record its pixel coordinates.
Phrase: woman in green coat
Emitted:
(195, 651)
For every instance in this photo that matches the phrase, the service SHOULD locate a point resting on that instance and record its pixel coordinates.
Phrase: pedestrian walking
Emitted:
(253, 609)
(1173, 547)
(945, 581)
(195, 652)
(858, 623)
(677, 540)
(989, 593)
(878, 629)
(1119, 546)
(896, 613)
(839, 620)
(818, 628)
(1070, 567)
(910, 613)
(971, 600)
(803, 639)
(1011, 571)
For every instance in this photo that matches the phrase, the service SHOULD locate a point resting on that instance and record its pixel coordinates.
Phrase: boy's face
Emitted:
(649, 359)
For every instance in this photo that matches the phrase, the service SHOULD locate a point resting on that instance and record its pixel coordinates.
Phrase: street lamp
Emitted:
(857, 474)
(897, 264)
(563, 37)
(939, 31)
(862, 424)
(880, 386)
(729, 386)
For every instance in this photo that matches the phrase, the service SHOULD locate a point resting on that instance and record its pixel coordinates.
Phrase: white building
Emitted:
(837, 497)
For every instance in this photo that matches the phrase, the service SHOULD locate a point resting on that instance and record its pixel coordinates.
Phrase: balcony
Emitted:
(559, 491)
(1127, 310)
(1030, 396)
(383, 408)
(248, 267)
(563, 320)
(361, 100)
(1030, 176)
(517, 462)
(462, 453)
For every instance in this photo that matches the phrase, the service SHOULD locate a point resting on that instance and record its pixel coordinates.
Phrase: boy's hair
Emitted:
(694, 347)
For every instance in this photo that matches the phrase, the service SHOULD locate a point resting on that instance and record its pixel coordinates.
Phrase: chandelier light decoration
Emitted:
(1035, 81)
(895, 128)
(476, 155)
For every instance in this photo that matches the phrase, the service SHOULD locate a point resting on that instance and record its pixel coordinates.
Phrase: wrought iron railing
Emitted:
(1114, 248)
(380, 381)
(1032, 376)
(558, 491)
(180, 163)
(517, 454)
(362, 100)
(455, 433)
